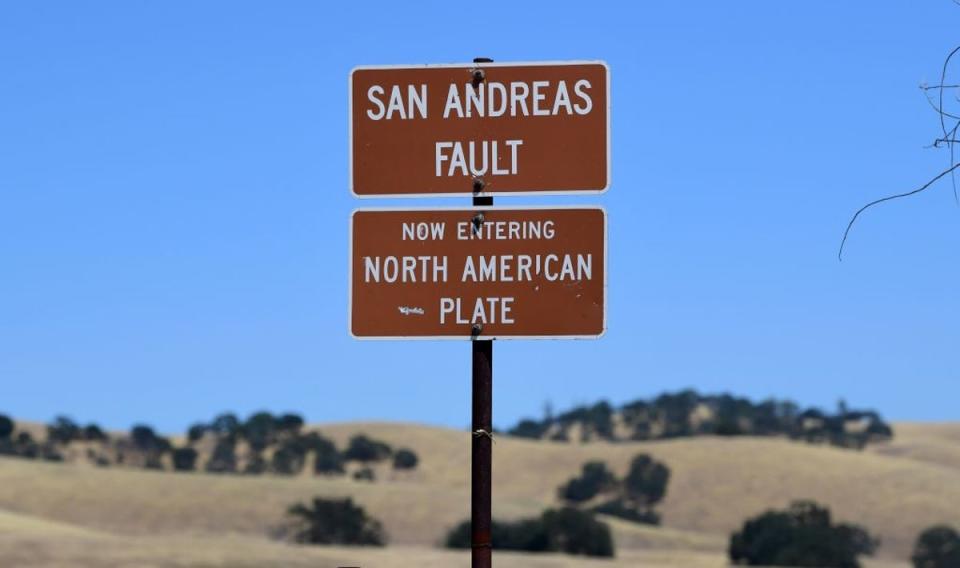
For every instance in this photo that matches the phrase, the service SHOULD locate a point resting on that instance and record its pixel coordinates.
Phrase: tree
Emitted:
(291, 423)
(7, 427)
(196, 432)
(528, 428)
(259, 430)
(256, 465)
(594, 479)
(364, 449)
(63, 430)
(803, 535)
(646, 481)
(288, 459)
(184, 459)
(224, 458)
(327, 459)
(225, 425)
(25, 447)
(93, 433)
(335, 521)
(143, 437)
(405, 459)
(937, 547)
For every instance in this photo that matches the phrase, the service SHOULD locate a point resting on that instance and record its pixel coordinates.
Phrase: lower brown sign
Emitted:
(486, 272)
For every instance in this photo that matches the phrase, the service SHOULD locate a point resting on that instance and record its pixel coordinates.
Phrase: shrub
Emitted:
(937, 547)
(364, 449)
(803, 535)
(566, 530)
(184, 459)
(335, 521)
(364, 474)
(405, 459)
(594, 479)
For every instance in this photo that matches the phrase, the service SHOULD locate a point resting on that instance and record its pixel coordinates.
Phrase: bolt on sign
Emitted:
(480, 128)
(485, 272)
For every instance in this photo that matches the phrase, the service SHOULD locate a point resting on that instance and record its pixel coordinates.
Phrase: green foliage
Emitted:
(593, 480)
(143, 437)
(196, 432)
(7, 426)
(364, 474)
(25, 446)
(803, 535)
(184, 459)
(937, 547)
(632, 498)
(405, 458)
(291, 423)
(566, 530)
(288, 459)
(335, 521)
(93, 433)
(63, 430)
(226, 425)
(688, 413)
(365, 449)
(256, 465)
(529, 429)
(327, 460)
(259, 430)
(224, 458)
(646, 481)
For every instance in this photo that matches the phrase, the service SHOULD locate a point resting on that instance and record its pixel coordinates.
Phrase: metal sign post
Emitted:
(482, 273)
(481, 451)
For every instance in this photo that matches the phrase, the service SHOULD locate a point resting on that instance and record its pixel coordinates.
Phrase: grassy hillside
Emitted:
(63, 514)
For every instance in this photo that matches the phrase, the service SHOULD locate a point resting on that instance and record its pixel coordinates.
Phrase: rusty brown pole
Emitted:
(481, 457)
(482, 453)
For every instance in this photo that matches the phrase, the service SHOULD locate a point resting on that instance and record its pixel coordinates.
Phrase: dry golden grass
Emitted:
(67, 515)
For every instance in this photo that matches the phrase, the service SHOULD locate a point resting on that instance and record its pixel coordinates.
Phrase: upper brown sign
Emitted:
(480, 128)
(490, 273)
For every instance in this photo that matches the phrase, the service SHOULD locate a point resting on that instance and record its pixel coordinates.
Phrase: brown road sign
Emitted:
(487, 272)
(510, 128)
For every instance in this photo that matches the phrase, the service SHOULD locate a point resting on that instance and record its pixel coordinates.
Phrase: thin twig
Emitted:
(889, 198)
(943, 125)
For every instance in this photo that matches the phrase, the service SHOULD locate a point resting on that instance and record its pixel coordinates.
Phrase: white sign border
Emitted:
(470, 193)
(481, 337)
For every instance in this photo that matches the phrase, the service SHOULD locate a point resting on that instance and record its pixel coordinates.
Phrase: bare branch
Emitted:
(889, 198)
(943, 124)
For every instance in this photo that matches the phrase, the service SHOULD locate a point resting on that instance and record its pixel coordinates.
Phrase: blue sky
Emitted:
(174, 206)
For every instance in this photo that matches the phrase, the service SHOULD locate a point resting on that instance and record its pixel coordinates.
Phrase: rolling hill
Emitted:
(76, 515)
